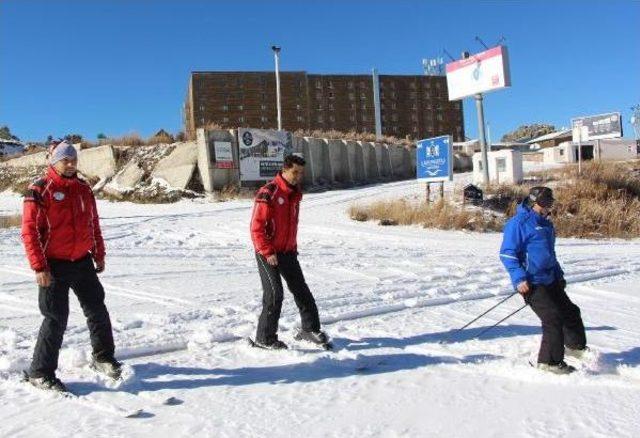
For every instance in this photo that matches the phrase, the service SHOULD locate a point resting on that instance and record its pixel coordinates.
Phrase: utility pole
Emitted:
(276, 54)
(483, 140)
(376, 104)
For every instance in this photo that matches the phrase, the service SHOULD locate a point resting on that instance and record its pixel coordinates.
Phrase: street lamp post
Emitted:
(276, 54)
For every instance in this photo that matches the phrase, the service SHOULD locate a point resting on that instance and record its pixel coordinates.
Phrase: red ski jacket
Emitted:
(274, 224)
(60, 221)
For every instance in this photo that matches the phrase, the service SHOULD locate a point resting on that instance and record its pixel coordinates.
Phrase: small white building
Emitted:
(504, 167)
(565, 152)
(615, 149)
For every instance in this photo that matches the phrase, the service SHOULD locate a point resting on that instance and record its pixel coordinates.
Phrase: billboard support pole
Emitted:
(483, 140)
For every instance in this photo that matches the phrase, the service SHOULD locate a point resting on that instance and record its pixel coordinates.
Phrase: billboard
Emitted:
(595, 127)
(480, 73)
(262, 152)
(434, 159)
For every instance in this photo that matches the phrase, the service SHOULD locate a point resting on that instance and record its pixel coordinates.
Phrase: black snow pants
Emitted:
(289, 268)
(54, 306)
(561, 321)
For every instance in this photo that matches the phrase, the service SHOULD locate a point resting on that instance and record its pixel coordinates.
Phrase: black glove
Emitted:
(562, 283)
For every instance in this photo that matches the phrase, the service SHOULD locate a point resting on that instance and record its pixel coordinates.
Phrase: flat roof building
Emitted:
(414, 106)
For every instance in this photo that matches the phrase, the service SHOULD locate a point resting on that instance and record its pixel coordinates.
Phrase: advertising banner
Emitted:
(262, 152)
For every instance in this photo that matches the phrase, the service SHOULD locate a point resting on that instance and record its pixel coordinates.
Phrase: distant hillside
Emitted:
(526, 132)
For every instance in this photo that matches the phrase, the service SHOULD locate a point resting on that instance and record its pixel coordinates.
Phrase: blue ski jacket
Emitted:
(528, 248)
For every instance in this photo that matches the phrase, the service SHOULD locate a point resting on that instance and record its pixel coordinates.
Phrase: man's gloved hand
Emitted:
(563, 283)
(100, 266)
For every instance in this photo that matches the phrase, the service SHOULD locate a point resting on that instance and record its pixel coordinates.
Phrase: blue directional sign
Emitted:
(434, 159)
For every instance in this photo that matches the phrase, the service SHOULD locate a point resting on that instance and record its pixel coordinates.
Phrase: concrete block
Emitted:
(339, 157)
(371, 169)
(316, 150)
(178, 167)
(384, 160)
(128, 177)
(98, 162)
(301, 146)
(37, 159)
(412, 162)
(328, 160)
(398, 161)
(356, 161)
(215, 178)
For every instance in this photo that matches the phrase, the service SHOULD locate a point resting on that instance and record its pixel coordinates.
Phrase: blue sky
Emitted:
(122, 66)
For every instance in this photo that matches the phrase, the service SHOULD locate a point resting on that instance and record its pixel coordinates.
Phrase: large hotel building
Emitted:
(411, 106)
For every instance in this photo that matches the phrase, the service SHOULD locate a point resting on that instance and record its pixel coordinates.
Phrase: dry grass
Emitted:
(440, 214)
(10, 221)
(352, 135)
(603, 202)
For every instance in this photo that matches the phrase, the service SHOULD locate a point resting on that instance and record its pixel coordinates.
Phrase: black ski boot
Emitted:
(562, 368)
(109, 367)
(318, 338)
(275, 345)
(47, 383)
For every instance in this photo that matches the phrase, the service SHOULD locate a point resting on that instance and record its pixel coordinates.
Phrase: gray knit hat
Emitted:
(61, 151)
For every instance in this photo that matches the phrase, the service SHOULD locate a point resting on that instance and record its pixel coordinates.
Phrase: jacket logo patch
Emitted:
(58, 196)
(280, 200)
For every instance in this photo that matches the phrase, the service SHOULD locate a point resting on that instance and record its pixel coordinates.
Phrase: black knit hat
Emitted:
(543, 196)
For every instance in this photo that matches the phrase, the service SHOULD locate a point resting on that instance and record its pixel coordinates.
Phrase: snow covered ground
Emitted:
(183, 293)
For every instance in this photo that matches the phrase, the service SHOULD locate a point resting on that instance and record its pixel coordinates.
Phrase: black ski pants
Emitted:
(270, 276)
(561, 321)
(54, 306)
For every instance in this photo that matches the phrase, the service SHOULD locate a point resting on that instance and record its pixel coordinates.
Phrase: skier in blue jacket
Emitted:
(528, 253)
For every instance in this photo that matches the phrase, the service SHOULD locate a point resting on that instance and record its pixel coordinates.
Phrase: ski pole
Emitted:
(475, 319)
(499, 322)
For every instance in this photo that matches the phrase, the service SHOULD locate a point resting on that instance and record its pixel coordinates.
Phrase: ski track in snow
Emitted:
(183, 293)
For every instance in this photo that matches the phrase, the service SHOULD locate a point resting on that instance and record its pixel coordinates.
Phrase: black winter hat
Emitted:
(543, 196)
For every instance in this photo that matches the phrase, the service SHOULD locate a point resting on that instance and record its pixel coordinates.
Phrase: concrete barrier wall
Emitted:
(329, 161)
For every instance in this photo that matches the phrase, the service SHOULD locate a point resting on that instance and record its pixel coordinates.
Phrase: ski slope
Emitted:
(183, 293)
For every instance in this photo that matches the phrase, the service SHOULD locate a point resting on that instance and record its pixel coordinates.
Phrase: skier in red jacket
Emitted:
(274, 229)
(62, 238)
